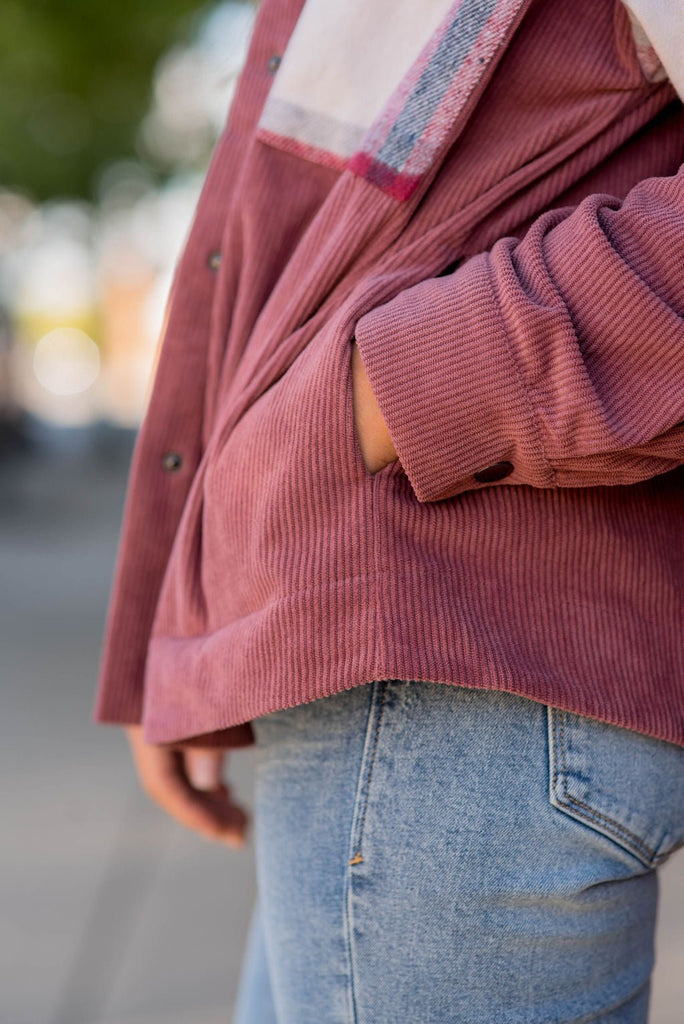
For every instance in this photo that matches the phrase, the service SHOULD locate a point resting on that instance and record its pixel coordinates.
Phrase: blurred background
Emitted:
(108, 116)
(112, 914)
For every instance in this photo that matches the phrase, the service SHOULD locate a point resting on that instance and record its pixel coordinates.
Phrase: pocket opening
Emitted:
(390, 468)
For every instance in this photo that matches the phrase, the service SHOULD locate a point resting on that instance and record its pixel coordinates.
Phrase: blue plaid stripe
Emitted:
(436, 78)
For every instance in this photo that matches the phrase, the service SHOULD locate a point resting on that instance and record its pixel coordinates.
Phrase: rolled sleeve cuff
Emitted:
(443, 373)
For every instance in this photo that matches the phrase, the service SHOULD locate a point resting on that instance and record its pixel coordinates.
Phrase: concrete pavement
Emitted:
(112, 914)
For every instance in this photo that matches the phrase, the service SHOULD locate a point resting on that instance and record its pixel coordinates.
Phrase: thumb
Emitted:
(204, 768)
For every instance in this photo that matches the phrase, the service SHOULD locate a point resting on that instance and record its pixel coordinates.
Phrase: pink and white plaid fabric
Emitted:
(336, 100)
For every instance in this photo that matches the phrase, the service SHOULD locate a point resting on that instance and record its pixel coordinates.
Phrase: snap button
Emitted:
(214, 260)
(274, 63)
(491, 474)
(172, 461)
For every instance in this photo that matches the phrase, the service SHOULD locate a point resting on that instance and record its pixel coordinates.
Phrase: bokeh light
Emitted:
(84, 282)
(66, 361)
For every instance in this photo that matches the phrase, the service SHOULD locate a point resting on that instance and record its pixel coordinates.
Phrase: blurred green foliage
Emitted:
(75, 80)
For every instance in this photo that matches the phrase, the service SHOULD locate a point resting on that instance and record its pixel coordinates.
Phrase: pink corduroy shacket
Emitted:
(506, 244)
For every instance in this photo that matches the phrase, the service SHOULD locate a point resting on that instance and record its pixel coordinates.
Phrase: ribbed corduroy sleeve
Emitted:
(562, 354)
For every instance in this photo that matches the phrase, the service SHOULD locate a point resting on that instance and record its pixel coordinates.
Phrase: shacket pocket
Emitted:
(288, 478)
(390, 468)
(625, 786)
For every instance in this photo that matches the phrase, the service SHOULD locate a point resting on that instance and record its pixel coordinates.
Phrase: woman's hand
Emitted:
(377, 448)
(187, 782)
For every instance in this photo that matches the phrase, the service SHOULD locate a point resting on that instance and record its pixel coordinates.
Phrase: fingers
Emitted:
(213, 815)
(170, 777)
(204, 768)
(374, 438)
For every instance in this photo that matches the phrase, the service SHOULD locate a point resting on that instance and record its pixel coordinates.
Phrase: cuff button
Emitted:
(490, 475)
(172, 461)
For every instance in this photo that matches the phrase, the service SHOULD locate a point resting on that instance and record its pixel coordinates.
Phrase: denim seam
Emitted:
(358, 821)
(590, 814)
(368, 773)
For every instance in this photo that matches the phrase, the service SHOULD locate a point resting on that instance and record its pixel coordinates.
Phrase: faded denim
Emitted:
(431, 854)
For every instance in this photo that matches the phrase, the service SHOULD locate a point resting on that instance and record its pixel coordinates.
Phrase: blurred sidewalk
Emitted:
(112, 914)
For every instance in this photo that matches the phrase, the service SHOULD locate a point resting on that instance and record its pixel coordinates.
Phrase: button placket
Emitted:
(172, 461)
(214, 259)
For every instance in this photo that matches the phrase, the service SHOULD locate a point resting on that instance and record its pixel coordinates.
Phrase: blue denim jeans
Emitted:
(431, 854)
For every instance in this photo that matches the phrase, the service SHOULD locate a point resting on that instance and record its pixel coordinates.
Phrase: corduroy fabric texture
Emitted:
(272, 568)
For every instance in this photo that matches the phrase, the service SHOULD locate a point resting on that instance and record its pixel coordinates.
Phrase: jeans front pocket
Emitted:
(623, 784)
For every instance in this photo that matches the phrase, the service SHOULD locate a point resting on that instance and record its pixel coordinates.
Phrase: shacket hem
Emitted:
(210, 683)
